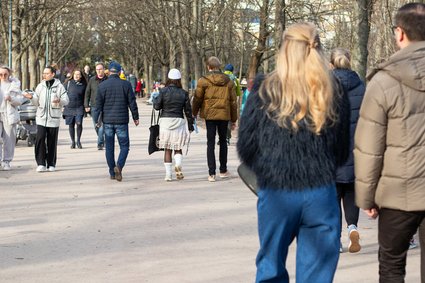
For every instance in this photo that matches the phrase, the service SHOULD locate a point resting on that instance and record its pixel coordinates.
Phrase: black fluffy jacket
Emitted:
(283, 158)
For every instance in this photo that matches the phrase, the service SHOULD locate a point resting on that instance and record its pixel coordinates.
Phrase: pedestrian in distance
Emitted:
(114, 98)
(174, 103)
(90, 102)
(73, 113)
(354, 88)
(49, 97)
(228, 70)
(389, 150)
(10, 98)
(293, 133)
(215, 100)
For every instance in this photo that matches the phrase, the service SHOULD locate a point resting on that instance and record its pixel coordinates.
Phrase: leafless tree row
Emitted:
(149, 37)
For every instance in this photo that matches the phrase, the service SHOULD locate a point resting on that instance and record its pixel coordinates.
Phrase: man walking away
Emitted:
(114, 98)
(215, 99)
(390, 146)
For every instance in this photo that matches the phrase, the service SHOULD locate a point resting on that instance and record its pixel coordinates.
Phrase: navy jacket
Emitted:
(354, 87)
(114, 98)
(293, 160)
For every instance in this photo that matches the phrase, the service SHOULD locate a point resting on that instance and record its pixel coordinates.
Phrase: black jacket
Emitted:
(91, 91)
(286, 159)
(114, 98)
(76, 93)
(173, 101)
(354, 87)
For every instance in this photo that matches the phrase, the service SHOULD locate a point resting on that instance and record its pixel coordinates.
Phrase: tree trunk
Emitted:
(365, 10)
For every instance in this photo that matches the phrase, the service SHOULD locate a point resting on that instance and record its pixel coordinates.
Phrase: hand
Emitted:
(233, 126)
(27, 95)
(7, 97)
(372, 212)
(136, 122)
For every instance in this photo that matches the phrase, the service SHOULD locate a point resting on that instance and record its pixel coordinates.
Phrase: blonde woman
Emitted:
(10, 98)
(354, 87)
(293, 133)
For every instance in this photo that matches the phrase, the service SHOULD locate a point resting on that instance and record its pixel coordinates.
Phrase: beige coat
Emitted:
(390, 136)
(215, 98)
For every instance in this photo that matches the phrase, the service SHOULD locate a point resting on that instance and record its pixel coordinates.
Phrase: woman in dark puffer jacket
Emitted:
(354, 87)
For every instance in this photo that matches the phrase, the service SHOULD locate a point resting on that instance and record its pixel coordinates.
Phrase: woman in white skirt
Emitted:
(173, 132)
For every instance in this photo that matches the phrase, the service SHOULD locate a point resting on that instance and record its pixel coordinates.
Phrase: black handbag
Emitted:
(248, 177)
(154, 133)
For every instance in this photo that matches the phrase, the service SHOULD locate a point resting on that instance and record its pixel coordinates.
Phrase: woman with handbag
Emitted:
(10, 98)
(293, 133)
(173, 101)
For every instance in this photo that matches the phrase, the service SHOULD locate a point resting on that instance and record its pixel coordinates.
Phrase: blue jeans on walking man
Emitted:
(121, 131)
(310, 215)
(100, 131)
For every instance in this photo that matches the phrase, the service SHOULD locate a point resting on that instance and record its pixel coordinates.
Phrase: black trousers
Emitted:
(46, 143)
(213, 127)
(345, 193)
(395, 229)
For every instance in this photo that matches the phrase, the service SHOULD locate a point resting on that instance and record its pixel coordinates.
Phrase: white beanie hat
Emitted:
(174, 74)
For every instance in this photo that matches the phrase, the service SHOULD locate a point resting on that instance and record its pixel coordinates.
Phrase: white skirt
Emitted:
(173, 133)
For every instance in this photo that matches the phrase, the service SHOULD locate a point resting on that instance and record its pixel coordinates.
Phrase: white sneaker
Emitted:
(6, 166)
(52, 169)
(41, 168)
(168, 178)
(211, 178)
(354, 245)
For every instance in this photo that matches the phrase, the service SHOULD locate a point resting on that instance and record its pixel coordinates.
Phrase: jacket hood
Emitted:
(407, 66)
(217, 78)
(348, 78)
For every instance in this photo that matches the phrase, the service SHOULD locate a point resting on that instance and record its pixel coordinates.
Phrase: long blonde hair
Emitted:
(301, 87)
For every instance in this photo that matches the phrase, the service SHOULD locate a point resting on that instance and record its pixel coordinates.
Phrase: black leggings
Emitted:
(346, 194)
(72, 131)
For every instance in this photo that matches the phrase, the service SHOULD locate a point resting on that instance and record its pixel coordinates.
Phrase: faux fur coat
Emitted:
(283, 158)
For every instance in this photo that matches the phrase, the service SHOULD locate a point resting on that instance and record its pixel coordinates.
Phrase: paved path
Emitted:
(77, 225)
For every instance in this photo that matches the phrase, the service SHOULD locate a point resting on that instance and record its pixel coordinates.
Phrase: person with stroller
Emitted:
(293, 133)
(74, 111)
(49, 97)
(10, 98)
(173, 100)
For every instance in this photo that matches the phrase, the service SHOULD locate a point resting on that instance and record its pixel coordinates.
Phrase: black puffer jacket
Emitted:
(293, 160)
(76, 91)
(173, 100)
(354, 88)
(114, 98)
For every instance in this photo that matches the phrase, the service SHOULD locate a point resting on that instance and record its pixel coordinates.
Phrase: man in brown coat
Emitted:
(215, 99)
(390, 146)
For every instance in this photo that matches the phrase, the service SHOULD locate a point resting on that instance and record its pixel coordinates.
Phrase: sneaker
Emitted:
(41, 168)
(100, 147)
(112, 177)
(6, 166)
(211, 178)
(179, 173)
(52, 169)
(118, 175)
(168, 178)
(412, 244)
(225, 175)
(354, 245)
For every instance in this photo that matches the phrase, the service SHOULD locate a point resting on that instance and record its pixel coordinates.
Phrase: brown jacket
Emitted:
(215, 98)
(390, 136)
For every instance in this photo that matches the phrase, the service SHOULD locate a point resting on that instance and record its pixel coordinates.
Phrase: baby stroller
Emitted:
(27, 128)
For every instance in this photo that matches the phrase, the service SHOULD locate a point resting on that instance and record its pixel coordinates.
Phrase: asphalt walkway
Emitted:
(77, 225)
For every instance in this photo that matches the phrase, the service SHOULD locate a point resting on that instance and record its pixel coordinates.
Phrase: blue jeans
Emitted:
(121, 130)
(100, 132)
(312, 217)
